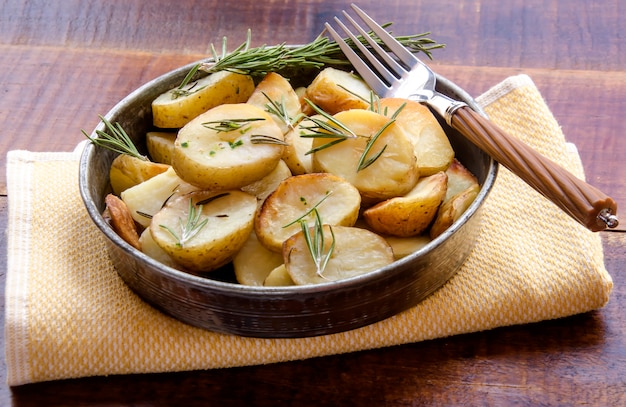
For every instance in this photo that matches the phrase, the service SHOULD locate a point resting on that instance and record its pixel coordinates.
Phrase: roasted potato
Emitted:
(150, 248)
(459, 179)
(452, 209)
(146, 199)
(431, 145)
(411, 214)
(177, 107)
(356, 251)
(336, 200)
(275, 95)
(127, 171)
(334, 90)
(279, 277)
(204, 230)
(253, 262)
(393, 173)
(211, 154)
(266, 185)
(121, 220)
(296, 152)
(403, 246)
(160, 146)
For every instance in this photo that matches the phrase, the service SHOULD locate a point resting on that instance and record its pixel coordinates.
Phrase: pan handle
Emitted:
(583, 202)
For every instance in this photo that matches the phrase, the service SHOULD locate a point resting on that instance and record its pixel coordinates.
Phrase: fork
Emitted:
(399, 73)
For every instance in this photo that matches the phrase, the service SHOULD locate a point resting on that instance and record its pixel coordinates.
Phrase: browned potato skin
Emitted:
(409, 215)
(328, 91)
(121, 221)
(127, 171)
(298, 194)
(452, 209)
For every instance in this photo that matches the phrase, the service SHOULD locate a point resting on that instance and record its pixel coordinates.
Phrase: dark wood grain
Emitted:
(62, 63)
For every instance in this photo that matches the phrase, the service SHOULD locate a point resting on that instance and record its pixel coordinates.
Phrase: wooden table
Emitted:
(64, 62)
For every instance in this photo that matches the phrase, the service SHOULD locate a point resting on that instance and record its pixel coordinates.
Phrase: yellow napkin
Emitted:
(69, 315)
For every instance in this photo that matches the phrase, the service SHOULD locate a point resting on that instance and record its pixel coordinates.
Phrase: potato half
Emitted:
(127, 171)
(393, 173)
(431, 145)
(356, 251)
(411, 214)
(334, 90)
(146, 199)
(275, 94)
(253, 262)
(336, 200)
(224, 222)
(459, 179)
(452, 209)
(296, 151)
(160, 146)
(177, 107)
(212, 158)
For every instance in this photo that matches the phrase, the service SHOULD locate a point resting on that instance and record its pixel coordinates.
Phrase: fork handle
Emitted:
(581, 201)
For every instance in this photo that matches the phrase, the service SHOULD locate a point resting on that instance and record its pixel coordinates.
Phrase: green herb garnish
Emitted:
(115, 139)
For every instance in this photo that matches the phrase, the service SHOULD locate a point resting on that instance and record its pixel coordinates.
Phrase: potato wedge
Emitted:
(253, 262)
(411, 214)
(452, 209)
(160, 146)
(274, 94)
(356, 251)
(459, 179)
(121, 221)
(296, 151)
(146, 199)
(403, 246)
(431, 145)
(127, 171)
(175, 108)
(336, 200)
(150, 248)
(225, 220)
(393, 173)
(266, 185)
(210, 158)
(334, 90)
(279, 277)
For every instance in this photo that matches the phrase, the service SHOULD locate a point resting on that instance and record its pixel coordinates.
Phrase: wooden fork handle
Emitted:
(581, 201)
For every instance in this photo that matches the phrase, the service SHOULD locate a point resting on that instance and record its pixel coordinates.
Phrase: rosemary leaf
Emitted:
(115, 139)
(191, 227)
(319, 53)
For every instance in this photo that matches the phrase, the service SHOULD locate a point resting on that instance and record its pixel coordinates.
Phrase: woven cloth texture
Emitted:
(69, 315)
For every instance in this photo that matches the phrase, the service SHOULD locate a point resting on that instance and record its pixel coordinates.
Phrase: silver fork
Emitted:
(400, 73)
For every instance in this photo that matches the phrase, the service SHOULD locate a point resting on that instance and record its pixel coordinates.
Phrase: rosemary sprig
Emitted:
(231, 124)
(280, 110)
(115, 139)
(366, 162)
(265, 139)
(326, 127)
(316, 243)
(307, 213)
(320, 52)
(180, 91)
(191, 227)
